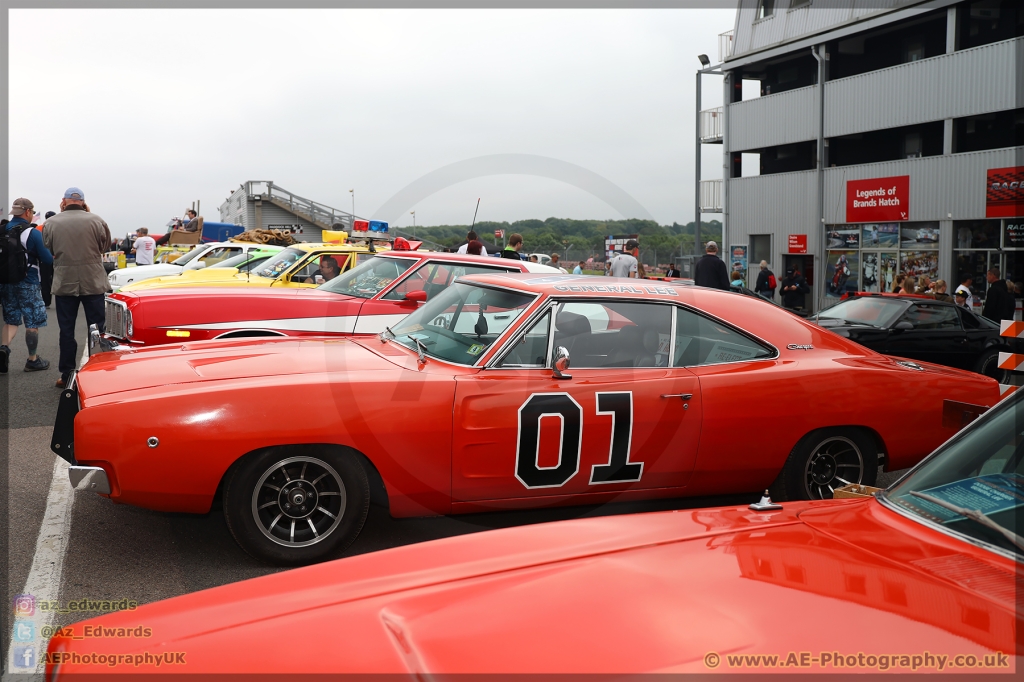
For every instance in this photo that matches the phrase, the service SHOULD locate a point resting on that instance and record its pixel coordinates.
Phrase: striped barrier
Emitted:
(1006, 389)
(1012, 329)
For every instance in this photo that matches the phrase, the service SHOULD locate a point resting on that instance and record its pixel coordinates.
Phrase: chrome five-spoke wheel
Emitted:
(299, 501)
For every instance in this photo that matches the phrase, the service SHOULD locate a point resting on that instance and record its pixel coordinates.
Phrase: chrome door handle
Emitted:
(684, 396)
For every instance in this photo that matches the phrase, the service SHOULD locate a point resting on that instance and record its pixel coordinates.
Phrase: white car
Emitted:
(204, 255)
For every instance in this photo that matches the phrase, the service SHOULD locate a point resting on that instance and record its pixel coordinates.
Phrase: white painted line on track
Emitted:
(44, 577)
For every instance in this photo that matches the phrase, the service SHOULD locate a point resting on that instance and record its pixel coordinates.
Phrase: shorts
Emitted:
(23, 302)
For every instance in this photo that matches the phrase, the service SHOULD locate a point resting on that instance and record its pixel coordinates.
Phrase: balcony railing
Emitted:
(724, 46)
(711, 196)
(711, 125)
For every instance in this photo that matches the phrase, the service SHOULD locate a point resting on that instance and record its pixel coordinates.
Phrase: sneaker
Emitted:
(5, 359)
(36, 365)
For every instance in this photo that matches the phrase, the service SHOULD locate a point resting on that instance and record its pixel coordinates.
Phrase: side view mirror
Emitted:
(560, 364)
(903, 325)
(416, 296)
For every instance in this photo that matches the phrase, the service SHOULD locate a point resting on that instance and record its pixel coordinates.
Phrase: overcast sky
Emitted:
(150, 110)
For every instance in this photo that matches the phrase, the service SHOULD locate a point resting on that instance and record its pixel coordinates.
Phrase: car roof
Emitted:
(889, 296)
(466, 258)
(588, 285)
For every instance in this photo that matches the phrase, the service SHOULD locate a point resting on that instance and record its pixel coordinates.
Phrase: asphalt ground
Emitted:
(120, 552)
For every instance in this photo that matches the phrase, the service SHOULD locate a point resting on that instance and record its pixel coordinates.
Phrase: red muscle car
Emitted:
(503, 391)
(904, 582)
(364, 300)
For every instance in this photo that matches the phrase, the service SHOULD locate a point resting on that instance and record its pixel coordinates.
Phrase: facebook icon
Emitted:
(24, 657)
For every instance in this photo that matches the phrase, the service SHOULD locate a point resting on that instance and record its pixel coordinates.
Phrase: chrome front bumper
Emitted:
(99, 344)
(90, 479)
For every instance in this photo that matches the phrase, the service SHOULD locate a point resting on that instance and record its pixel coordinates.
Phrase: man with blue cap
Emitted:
(78, 239)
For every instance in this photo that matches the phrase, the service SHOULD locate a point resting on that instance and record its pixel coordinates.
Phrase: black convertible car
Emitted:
(920, 328)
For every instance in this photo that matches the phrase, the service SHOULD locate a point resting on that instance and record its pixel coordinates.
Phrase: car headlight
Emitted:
(129, 327)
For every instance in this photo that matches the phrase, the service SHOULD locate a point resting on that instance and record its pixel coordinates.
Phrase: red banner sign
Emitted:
(878, 200)
(498, 234)
(797, 243)
(1004, 196)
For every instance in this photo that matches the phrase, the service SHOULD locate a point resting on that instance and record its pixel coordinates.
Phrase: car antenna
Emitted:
(474, 213)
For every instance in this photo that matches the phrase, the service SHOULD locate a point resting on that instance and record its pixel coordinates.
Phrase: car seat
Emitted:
(573, 332)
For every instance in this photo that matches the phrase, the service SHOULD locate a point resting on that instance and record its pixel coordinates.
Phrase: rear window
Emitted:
(877, 312)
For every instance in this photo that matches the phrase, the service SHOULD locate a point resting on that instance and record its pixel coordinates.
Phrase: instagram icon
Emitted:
(24, 605)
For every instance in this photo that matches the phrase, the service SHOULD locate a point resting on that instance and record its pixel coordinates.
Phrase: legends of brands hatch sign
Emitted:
(1004, 192)
(878, 200)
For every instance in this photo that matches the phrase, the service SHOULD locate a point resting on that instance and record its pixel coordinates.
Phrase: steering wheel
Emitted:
(444, 331)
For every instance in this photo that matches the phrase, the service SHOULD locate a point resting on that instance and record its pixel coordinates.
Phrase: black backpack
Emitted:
(13, 256)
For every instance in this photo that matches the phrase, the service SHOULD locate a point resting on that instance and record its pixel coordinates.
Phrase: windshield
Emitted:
(876, 312)
(981, 469)
(461, 322)
(281, 262)
(369, 278)
(232, 262)
(190, 256)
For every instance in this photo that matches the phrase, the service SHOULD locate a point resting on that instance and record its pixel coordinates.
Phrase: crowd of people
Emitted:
(58, 257)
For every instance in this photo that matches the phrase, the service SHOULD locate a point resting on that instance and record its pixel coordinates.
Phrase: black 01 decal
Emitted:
(619, 469)
(570, 413)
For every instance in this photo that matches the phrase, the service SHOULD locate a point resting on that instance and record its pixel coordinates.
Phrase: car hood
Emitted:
(204, 361)
(191, 278)
(676, 591)
(145, 271)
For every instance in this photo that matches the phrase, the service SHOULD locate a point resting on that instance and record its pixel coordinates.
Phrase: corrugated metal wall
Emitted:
(939, 185)
(976, 81)
(784, 25)
(777, 204)
(273, 215)
(773, 119)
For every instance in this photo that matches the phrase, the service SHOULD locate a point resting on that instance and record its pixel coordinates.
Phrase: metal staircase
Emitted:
(323, 216)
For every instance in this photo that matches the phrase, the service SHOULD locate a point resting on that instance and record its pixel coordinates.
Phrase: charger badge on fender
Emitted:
(800, 346)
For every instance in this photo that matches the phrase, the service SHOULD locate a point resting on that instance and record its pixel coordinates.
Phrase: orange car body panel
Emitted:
(654, 592)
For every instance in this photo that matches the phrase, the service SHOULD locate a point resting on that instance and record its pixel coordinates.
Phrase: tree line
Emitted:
(580, 236)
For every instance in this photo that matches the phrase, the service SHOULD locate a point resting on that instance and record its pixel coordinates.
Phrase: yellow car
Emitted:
(295, 266)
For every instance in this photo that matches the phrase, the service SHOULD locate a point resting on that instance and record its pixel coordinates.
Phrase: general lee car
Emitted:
(503, 391)
(902, 582)
(364, 300)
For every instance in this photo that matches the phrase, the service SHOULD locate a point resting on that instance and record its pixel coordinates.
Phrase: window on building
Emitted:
(988, 21)
(886, 145)
(788, 158)
(777, 75)
(989, 131)
(765, 8)
(897, 43)
(794, 4)
(760, 249)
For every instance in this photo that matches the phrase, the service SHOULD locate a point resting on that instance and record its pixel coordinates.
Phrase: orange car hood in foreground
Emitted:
(677, 591)
(228, 359)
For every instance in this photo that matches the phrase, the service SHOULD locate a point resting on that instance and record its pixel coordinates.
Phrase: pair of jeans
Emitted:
(67, 316)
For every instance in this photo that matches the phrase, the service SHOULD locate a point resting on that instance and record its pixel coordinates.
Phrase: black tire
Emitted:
(824, 460)
(987, 364)
(331, 496)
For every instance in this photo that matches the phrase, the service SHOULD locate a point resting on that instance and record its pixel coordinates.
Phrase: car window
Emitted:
(370, 277)
(461, 322)
(531, 350)
(233, 262)
(614, 333)
(219, 254)
(701, 341)
(434, 278)
(311, 267)
(972, 321)
(253, 264)
(281, 262)
(873, 311)
(931, 317)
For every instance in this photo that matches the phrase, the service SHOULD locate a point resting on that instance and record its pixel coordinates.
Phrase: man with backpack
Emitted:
(766, 282)
(21, 253)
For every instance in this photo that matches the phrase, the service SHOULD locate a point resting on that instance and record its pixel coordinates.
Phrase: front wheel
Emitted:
(824, 460)
(987, 364)
(296, 506)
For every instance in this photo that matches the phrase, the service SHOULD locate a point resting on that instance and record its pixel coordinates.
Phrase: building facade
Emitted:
(864, 139)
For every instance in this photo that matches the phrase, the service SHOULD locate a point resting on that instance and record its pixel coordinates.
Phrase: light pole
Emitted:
(353, 193)
(413, 214)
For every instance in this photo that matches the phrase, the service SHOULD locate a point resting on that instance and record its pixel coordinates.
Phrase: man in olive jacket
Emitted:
(78, 239)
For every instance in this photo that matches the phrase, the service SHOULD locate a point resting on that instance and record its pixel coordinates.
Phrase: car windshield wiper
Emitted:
(421, 349)
(974, 515)
(383, 336)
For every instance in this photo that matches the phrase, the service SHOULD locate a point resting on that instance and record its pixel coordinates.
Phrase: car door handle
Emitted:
(684, 396)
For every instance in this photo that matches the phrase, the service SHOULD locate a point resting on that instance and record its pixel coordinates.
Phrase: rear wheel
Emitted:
(988, 365)
(824, 460)
(296, 506)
